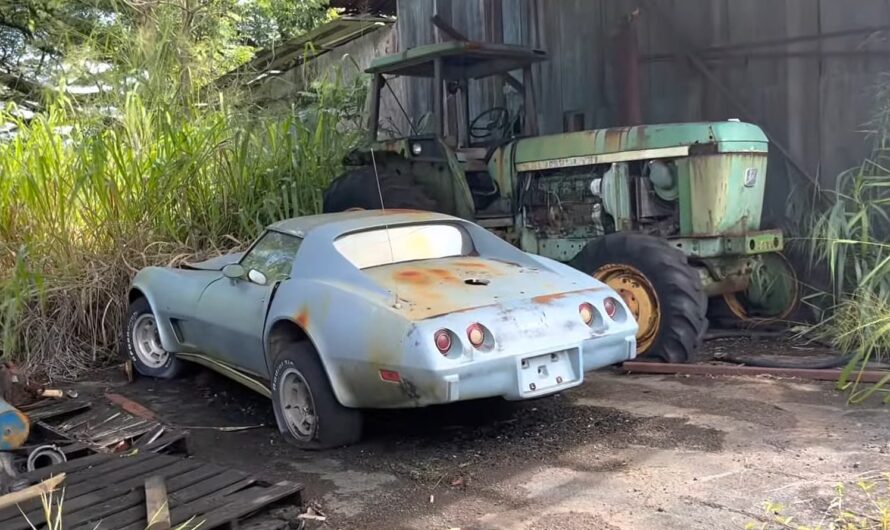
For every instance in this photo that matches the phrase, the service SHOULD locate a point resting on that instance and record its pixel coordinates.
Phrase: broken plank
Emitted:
(157, 508)
(57, 409)
(31, 492)
(136, 409)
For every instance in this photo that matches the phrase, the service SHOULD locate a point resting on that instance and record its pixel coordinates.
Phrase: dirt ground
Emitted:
(619, 452)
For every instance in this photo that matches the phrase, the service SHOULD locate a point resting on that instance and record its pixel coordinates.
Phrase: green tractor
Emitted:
(667, 215)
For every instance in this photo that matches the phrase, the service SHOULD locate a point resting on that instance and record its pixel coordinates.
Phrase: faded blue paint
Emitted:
(361, 322)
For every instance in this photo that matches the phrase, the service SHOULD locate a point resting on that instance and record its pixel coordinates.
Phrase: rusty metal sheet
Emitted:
(636, 367)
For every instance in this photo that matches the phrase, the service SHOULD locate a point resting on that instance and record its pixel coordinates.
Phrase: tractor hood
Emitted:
(605, 146)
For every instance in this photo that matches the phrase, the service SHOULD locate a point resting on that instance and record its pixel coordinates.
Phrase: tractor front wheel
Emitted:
(660, 288)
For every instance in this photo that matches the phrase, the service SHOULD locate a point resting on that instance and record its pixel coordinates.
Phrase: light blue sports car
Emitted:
(334, 313)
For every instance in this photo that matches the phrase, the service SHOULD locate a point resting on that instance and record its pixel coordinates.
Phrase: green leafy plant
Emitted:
(159, 172)
(852, 238)
(862, 505)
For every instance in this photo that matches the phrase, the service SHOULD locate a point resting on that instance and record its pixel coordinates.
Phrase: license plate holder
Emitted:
(548, 371)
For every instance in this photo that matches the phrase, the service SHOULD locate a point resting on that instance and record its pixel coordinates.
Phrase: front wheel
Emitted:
(306, 410)
(142, 344)
(660, 288)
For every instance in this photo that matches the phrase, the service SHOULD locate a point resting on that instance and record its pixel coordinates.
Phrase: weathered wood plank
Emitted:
(157, 507)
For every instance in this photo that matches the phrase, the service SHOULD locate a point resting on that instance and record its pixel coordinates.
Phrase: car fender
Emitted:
(160, 305)
(349, 327)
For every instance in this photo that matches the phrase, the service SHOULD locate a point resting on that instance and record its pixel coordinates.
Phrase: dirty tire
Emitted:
(334, 425)
(682, 302)
(172, 366)
(358, 189)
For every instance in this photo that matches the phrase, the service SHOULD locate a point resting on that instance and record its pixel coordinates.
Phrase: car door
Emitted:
(233, 311)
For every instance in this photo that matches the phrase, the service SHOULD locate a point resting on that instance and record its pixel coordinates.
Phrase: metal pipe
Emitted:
(374, 118)
(437, 97)
(638, 367)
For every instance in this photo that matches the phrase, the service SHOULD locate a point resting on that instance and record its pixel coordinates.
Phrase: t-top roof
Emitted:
(460, 60)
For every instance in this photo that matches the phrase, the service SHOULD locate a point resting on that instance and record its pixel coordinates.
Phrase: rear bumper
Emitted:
(504, 376)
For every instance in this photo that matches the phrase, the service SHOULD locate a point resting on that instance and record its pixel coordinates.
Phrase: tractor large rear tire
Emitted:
(358, 189)
(662, 290)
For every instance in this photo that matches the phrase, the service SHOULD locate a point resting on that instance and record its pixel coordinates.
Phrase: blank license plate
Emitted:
(547, 371)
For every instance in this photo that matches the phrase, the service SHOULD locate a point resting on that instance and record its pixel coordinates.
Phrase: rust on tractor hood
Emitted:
(431, 288)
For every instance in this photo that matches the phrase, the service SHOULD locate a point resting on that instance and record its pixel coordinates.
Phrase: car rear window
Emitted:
(384, 246)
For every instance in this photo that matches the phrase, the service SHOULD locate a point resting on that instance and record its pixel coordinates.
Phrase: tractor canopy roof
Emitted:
(460, 60)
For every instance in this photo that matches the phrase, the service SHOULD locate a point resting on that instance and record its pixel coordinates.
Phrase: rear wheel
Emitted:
(659, 287)
(357, 189)
(306, 410)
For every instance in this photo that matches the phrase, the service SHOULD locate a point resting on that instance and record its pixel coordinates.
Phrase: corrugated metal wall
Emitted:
(815, 101)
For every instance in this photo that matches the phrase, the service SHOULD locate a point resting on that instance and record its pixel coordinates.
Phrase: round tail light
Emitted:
(586, 312)
(611, 306)
(476, 334)
(443, 341)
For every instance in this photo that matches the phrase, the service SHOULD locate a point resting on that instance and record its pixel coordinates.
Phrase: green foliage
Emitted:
(863, 505)
(162, 171)
(853, 239)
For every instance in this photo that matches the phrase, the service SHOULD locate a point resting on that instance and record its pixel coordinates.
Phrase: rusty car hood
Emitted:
(431, 288)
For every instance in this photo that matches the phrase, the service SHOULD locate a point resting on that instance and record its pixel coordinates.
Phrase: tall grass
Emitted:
(853, 239)
(90, 195)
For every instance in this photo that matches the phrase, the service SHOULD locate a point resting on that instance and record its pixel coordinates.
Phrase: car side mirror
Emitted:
(233, 271)
(257, 277)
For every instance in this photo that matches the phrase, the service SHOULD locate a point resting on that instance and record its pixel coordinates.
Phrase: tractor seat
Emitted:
(473, 158)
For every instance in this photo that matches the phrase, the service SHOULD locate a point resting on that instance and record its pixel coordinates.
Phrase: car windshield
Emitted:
(384, 246)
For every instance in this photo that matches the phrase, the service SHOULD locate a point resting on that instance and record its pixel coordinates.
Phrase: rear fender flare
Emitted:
(342, 395)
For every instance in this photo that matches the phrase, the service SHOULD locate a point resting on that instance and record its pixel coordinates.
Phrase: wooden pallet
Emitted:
(103, 491)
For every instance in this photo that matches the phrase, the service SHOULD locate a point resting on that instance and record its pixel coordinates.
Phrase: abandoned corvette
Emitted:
(334, 313)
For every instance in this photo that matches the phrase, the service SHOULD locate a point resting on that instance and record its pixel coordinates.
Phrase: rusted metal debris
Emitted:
(636, 367)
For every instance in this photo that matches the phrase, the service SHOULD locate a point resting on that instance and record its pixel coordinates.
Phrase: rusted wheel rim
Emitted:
(147, 342)
(639, 295)
(297, 405)
(767, 300)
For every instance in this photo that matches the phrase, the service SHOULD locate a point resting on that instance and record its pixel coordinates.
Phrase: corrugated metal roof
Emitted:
(304, 48)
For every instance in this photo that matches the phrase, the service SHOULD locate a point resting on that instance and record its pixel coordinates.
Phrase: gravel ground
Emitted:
(618, 452)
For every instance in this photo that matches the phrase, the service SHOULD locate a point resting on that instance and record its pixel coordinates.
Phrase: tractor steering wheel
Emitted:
(498, 121)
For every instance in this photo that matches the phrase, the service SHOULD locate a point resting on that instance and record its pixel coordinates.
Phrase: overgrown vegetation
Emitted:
(860, 505)
(160, 170)
(853, 239)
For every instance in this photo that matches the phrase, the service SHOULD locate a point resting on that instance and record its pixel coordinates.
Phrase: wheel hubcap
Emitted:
(297, 405)
(639, 295)
(147, 342)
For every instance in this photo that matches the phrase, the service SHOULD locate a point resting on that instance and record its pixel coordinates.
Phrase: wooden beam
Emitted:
(157, 509)
(638, 367)
(31, 492)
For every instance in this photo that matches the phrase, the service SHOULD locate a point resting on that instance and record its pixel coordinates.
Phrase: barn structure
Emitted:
(807, 71)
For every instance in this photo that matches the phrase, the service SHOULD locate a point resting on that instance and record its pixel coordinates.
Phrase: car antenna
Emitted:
(392, 254)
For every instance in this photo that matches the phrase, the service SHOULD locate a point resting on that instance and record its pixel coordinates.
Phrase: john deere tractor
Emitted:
(668, 215)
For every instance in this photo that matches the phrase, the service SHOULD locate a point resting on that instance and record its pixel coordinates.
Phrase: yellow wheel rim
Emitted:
(639, 295)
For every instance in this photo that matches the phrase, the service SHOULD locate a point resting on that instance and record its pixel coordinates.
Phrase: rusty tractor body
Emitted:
(668, 215)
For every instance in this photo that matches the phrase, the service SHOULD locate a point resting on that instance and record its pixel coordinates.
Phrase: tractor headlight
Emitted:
(416, 149)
